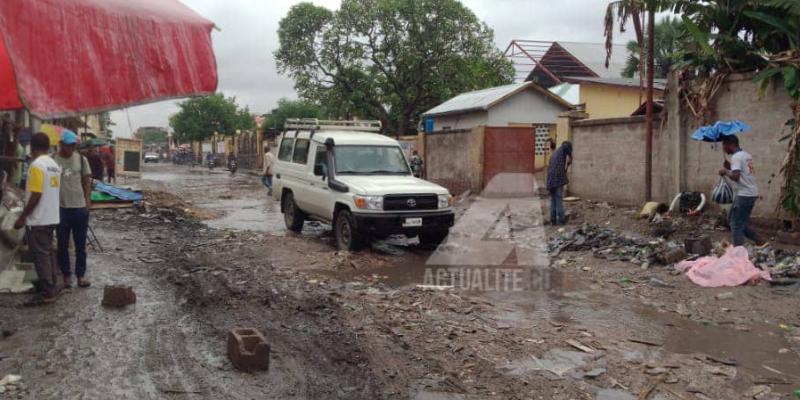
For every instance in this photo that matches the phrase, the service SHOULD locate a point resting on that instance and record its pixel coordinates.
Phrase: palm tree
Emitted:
(669, 32)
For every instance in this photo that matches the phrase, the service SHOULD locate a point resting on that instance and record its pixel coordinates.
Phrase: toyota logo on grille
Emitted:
(411, 203)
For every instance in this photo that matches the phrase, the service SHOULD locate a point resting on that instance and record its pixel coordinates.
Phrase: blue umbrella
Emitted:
(714, 133)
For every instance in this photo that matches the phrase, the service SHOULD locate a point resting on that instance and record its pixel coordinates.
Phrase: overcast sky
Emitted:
(248, 37)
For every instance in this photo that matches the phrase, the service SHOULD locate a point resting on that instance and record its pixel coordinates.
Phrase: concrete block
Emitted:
(248, 350)
(118, 296)
(700, 245)
(673, 256)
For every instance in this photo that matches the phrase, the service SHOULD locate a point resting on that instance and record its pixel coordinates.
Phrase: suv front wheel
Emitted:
(292, 216)
(347, 237)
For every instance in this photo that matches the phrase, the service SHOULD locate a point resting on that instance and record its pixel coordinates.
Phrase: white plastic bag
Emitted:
(722, 193)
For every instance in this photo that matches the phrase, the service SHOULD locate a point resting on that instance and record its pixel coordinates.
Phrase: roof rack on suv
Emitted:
(322, 124)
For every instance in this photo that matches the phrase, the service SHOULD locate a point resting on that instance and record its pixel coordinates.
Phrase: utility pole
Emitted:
(648, 166)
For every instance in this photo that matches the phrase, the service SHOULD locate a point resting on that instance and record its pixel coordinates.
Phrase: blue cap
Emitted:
(69, 137)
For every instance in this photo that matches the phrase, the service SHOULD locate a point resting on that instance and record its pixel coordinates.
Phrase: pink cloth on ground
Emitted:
(732, 269)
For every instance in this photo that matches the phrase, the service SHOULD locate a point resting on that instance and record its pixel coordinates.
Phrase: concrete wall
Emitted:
(455, 160)
(527, 107)
(609, 154)
(460, 121)
(608, 160)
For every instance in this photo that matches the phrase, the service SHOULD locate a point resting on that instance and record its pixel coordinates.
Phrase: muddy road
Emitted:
(209, 253)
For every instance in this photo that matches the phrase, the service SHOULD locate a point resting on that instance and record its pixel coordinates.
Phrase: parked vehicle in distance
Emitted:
(344, 173)
(150, 157)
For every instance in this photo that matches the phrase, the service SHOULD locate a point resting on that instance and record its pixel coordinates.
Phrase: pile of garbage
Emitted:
(779, 263)
(611, 245)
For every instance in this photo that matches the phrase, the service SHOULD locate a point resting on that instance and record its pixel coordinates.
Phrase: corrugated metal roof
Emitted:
(486, 98)
(593, 55)
(659, 84)
(477, 100)
(567, 91)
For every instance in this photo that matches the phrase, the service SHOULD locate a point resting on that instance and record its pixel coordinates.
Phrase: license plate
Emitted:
(412, 222)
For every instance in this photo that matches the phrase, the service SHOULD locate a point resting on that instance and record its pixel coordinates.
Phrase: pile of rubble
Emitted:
(611, 245)
(779, 263)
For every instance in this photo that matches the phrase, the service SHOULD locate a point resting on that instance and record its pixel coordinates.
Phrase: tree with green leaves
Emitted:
(201, 117)
(293, 109)
(669, 35)
(742, 36)
(388, 60)
(152, 135)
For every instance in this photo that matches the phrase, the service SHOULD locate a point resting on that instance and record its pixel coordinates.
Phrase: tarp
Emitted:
(715, 133)
(732, 269)
(71, 57)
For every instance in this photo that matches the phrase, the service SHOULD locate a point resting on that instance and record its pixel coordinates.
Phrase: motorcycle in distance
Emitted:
(211, 162)
(232, 166)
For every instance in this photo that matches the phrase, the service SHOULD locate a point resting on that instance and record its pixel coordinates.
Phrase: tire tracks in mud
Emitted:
(315, 353)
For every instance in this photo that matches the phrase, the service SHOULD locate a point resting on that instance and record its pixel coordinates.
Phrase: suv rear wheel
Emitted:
(432, 239)
(347, 237)
(292, 216)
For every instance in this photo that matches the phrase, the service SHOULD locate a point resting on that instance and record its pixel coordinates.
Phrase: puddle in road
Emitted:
(558, 362)
(755, 349)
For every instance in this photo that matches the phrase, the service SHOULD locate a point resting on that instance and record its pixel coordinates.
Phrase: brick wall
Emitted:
(609, 154)
(455, 160)
(608, 160)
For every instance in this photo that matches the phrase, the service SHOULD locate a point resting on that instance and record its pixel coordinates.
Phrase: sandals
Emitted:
(83, 283)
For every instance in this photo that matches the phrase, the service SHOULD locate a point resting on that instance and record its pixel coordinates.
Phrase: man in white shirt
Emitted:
(41, 215)
(740, 170)
(266, 173)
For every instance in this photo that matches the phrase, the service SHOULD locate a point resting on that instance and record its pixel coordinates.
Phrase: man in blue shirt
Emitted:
(556, 180)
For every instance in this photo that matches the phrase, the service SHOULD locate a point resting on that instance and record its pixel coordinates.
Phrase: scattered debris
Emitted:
(580, 346)
(724, 296)
(608, 244)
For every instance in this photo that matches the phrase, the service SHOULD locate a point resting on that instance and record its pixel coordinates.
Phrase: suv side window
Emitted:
(321, 158)
(301, 151)
(285, 151)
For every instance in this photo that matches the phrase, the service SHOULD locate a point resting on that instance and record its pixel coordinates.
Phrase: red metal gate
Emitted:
(508, 149)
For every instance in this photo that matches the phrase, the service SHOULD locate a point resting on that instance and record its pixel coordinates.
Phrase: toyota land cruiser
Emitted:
(344, 173)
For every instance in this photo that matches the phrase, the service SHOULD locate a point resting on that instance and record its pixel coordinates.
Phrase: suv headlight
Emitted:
(368, 202)
(445, 201)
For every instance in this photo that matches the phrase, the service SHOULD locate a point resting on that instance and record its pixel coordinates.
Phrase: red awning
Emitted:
(70, 57)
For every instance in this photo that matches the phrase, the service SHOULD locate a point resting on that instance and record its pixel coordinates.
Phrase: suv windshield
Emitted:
(370, 160)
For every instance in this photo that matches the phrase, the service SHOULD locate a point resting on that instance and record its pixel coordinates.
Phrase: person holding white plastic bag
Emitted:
(740, 170)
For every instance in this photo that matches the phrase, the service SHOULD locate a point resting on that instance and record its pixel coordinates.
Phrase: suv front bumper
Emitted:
(384, 224)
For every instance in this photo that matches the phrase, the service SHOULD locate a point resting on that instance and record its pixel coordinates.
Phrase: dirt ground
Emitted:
(209, 252)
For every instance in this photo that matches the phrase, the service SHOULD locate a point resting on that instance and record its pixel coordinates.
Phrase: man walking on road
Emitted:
(740, 170)
(76, 198)
(110, 162)
(41, 216)
(266, 173)
(416, 164)
(95, 162)
(556, 180)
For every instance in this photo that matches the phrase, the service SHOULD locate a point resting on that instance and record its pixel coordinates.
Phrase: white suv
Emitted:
(359, 181)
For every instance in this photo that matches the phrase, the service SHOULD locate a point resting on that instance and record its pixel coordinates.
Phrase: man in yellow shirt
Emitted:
(41, 214)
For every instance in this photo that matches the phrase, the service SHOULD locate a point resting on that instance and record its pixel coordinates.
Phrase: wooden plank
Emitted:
(104, 206)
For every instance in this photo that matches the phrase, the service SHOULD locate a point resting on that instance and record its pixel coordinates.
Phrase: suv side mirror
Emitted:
(319, 170)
